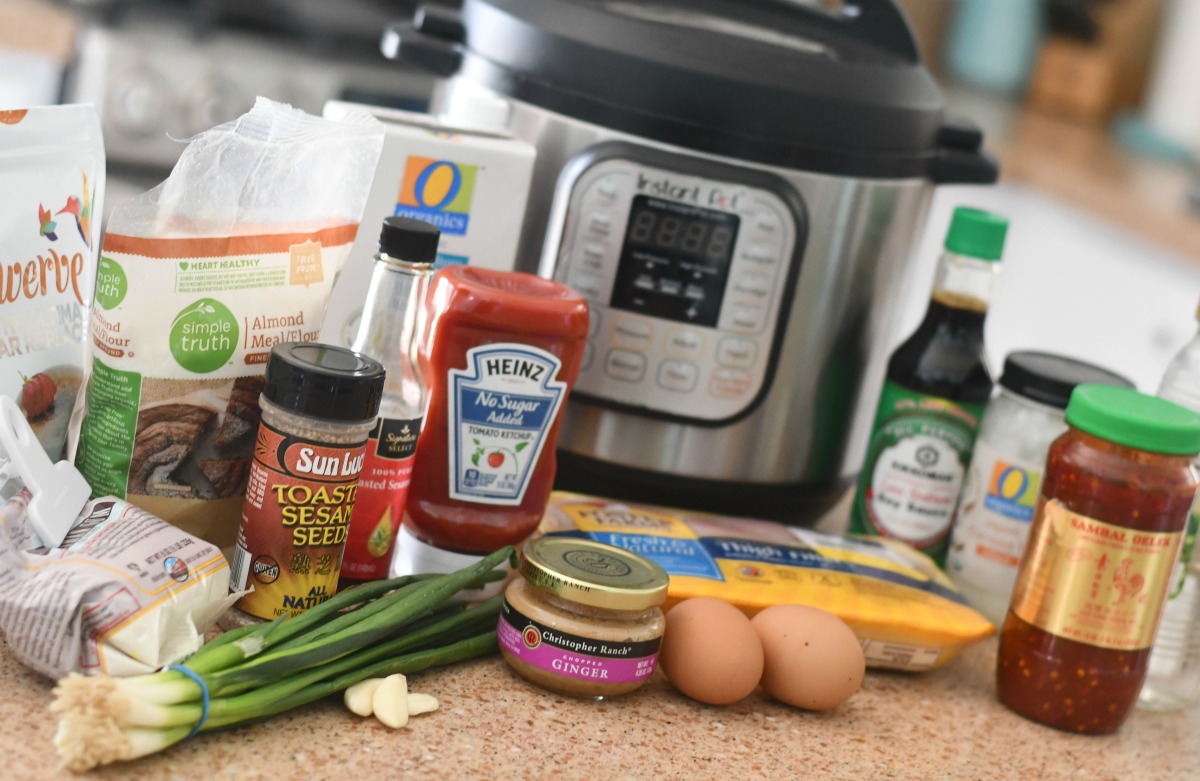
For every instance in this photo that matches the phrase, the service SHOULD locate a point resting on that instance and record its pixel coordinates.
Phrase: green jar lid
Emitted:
(1132, 419)
(977, 233)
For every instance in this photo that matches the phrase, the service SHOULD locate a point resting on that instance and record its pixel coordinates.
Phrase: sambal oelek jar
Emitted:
(1116, 494)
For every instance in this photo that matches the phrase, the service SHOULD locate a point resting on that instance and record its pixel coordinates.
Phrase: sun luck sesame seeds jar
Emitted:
(319, 404)
(583, 619)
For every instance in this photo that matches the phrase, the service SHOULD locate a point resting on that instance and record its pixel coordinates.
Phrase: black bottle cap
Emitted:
(1049, 379)
(404, 238)
(323, 381)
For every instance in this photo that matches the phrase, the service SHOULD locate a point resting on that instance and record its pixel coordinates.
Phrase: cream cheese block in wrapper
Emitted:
(124, 594)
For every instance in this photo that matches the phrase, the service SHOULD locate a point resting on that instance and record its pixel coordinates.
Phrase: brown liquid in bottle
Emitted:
(944, 356)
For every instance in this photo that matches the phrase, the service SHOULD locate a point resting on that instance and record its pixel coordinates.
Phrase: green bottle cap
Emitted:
(977, 233)
(1132, 419)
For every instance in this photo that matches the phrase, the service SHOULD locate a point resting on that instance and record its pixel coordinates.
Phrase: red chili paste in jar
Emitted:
(1115, 498)
(500, 355)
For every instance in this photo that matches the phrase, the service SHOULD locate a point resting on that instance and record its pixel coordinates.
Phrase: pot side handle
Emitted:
(960, 157)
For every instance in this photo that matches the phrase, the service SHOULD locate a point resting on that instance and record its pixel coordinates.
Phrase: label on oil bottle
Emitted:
(1094, 582)
(299, 497)
(989, 536)
(916, 461)
(500, 409)
(382, 489)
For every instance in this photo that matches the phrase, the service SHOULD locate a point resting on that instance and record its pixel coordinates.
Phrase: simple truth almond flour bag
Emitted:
(51, 188)
(198, 278)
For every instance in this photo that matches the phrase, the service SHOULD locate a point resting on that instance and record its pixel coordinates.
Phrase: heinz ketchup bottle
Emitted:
(500, 353)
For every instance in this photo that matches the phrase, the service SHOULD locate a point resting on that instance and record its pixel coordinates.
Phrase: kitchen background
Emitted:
(1090, 106)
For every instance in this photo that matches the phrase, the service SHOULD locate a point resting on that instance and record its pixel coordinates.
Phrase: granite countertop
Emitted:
(943, 724)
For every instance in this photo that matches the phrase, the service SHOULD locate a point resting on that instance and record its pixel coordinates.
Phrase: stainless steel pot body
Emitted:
(810, 425)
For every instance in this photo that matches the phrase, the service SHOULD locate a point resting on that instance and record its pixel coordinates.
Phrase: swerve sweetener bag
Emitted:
(198, 278)
(51, 188)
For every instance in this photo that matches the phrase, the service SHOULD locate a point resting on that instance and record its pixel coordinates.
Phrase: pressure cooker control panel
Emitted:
(686, 278)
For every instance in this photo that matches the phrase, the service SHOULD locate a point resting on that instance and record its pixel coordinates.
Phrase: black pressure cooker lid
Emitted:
(777, 82)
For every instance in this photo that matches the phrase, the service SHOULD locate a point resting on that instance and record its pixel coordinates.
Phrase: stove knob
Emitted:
(213, 101)
(136, 102)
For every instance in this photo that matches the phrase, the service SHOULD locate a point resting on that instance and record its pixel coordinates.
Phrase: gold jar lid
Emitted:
(593, 573)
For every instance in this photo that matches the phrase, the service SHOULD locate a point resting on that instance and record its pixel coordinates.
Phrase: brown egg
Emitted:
(812, 658)
(710, 652)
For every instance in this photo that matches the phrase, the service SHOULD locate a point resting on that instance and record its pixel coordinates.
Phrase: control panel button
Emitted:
(625, 365)
(591, 257)
(678, 376)
(686, 344)
(760, 255)
(628, 332)
(599, 224)
(589, 352)
(753, 287)
(747, 318)
(607, 190)
(730, 383)
(763, 224)
(737, 353)
(587, 285)
(594, 318)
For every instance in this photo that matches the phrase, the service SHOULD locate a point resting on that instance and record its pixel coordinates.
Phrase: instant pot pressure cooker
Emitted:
(735, 187)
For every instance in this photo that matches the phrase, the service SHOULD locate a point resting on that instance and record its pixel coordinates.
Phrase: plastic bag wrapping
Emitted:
(234, 253)
(274, 169)
(126, 593)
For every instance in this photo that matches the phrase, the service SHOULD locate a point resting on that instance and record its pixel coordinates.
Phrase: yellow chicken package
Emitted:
(906, 613)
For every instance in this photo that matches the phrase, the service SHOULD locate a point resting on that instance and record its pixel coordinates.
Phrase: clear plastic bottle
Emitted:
(388, 333)
(1173, 680)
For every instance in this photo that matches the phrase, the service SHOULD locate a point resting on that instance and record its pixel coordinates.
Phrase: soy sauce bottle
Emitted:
(933, 397)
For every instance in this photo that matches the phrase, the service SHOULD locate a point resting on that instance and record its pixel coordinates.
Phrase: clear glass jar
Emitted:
(991, 527)
(584, 618)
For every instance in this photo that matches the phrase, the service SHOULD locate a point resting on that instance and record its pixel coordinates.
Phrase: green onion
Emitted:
(403, 625)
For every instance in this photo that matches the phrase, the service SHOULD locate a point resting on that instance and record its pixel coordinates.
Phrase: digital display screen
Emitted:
(675, 261)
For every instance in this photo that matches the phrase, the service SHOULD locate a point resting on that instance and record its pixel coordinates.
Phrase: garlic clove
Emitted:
(358, 698)
(390, 701)
(421, 703)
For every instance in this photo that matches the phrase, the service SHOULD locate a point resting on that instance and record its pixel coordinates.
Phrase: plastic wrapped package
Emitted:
(905, 612)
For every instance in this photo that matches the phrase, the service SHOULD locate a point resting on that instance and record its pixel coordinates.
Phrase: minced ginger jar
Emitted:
(583, 619)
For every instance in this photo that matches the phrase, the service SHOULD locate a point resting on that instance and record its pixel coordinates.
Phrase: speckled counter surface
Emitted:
(945, 724)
